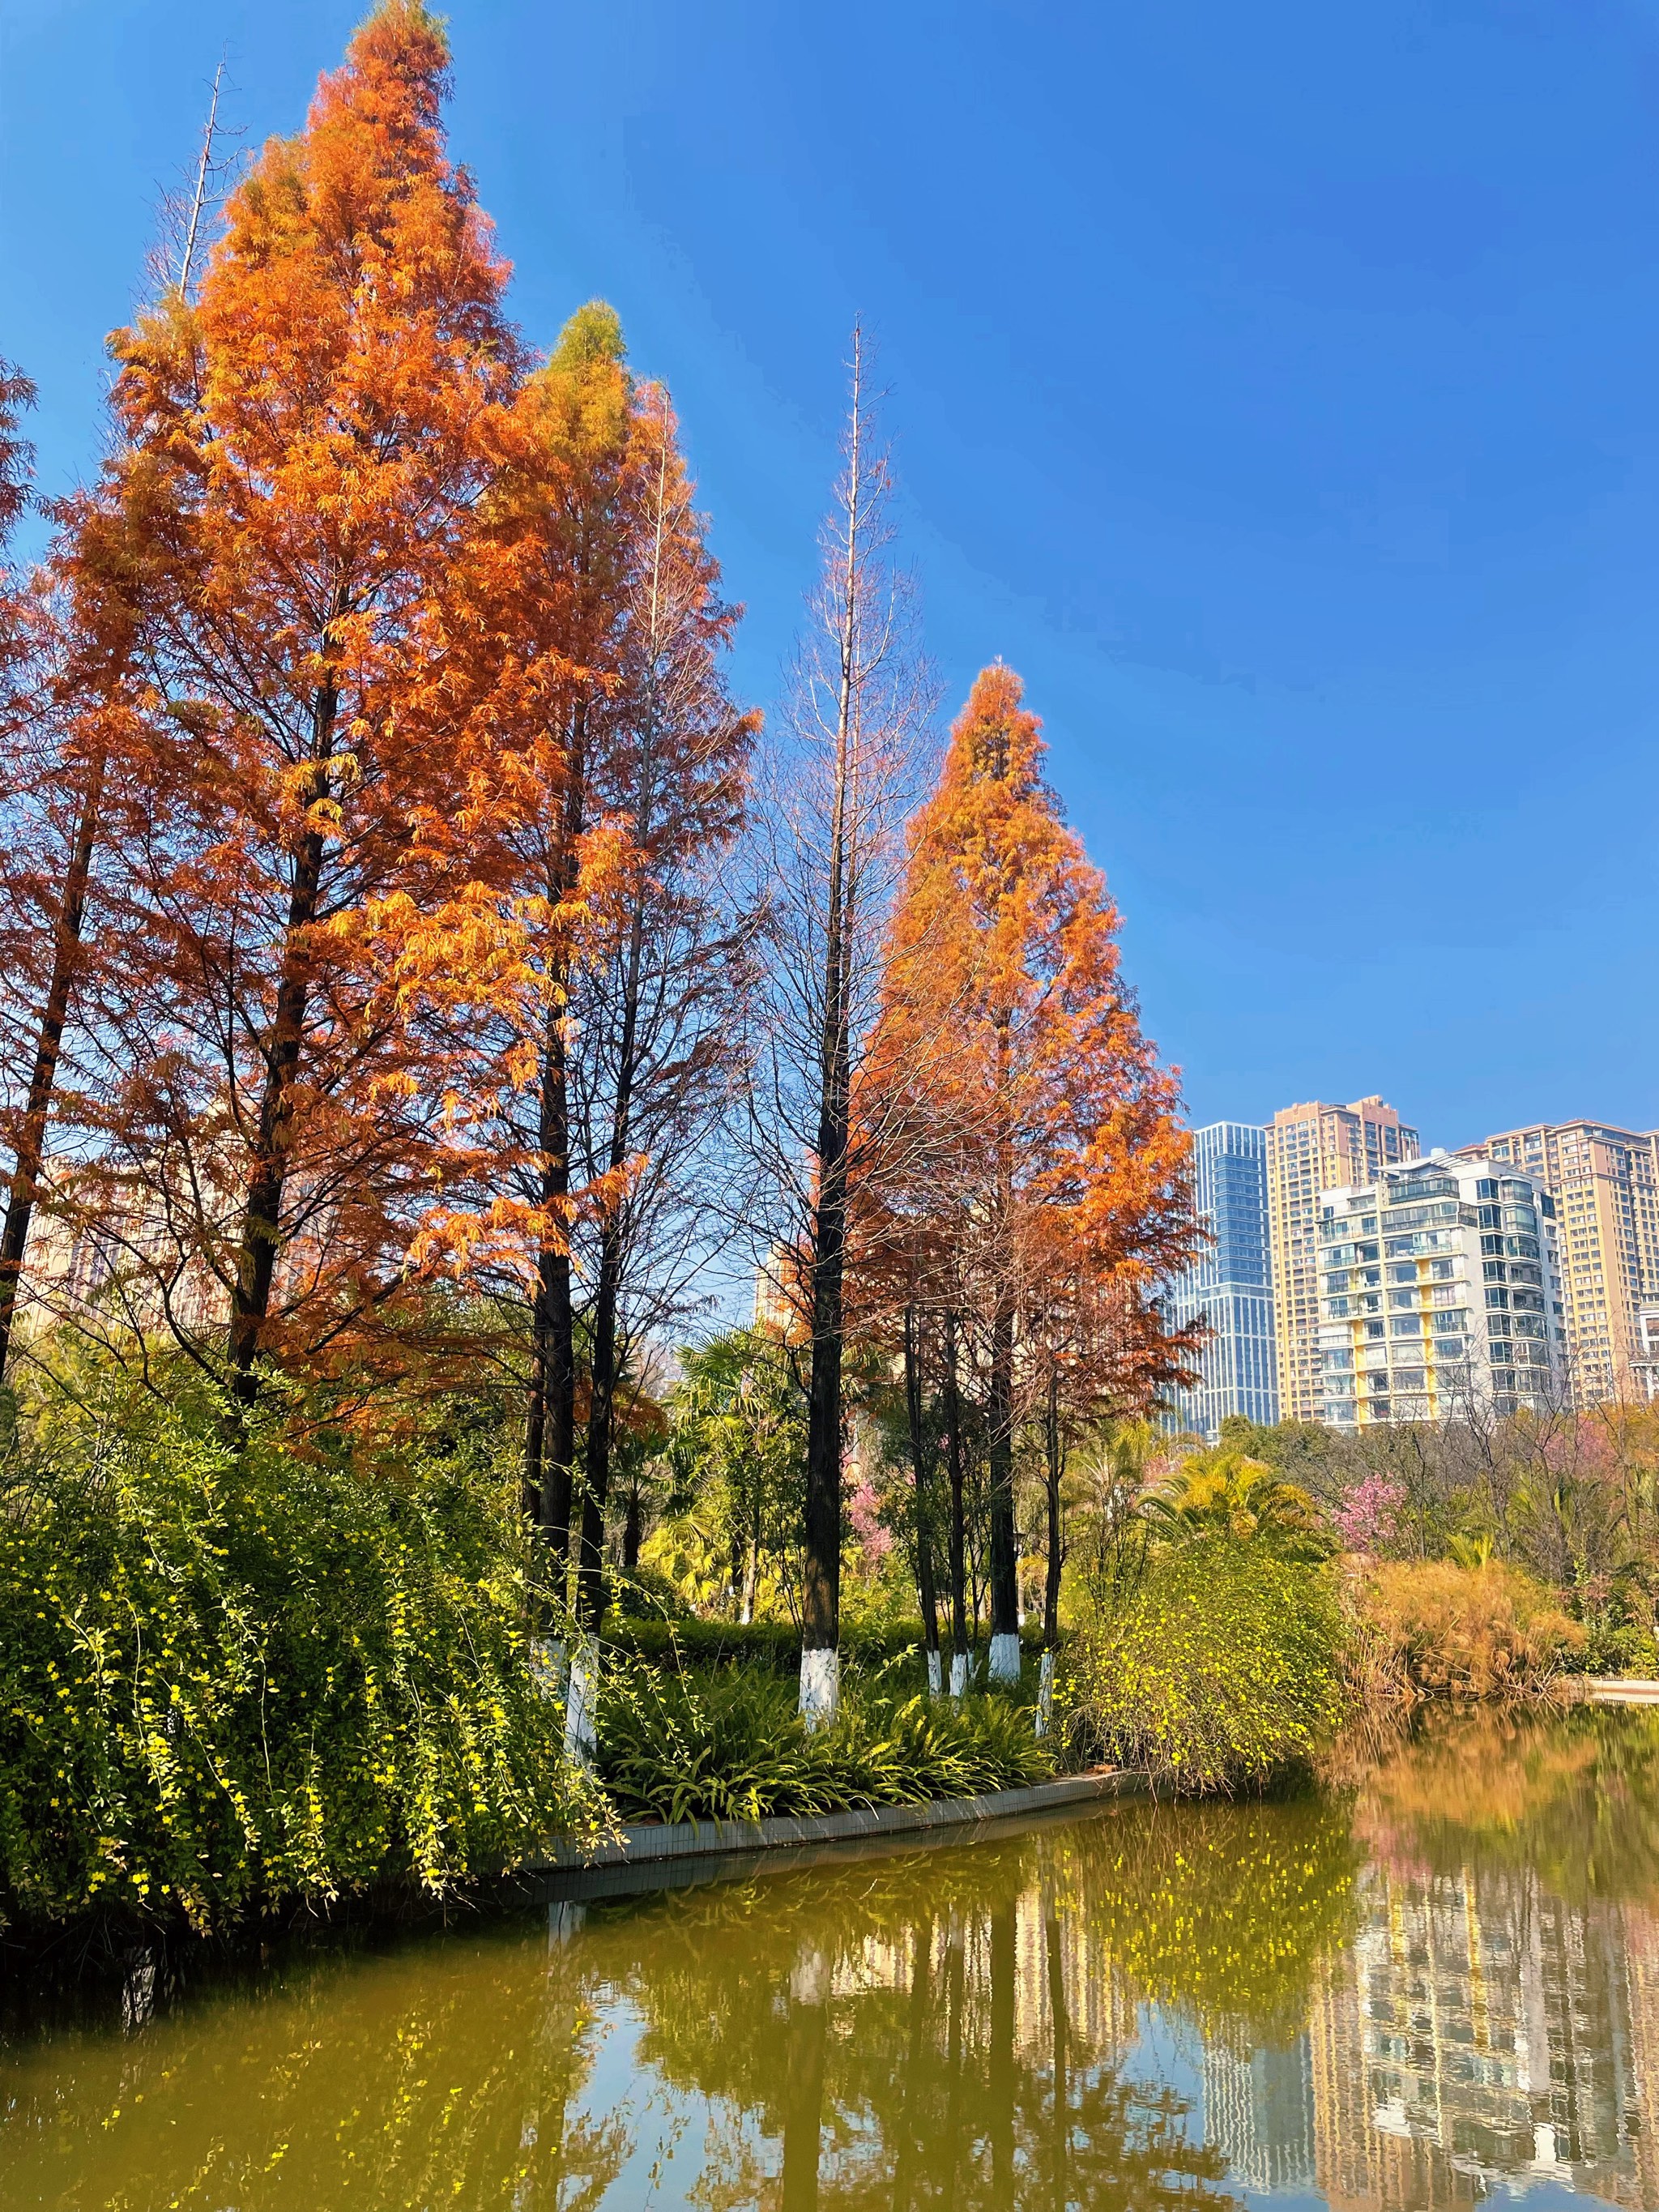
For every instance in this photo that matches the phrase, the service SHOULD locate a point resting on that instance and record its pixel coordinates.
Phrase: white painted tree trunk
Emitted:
(1045, 1712)
(820, 1687)
(935, 1674)
(958, 1674)
(809, 1978)
(566, 1918)
(1004, 1658)
(581, 1740)
(549, 1665)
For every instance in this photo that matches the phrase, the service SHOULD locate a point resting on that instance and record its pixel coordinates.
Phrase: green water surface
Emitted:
(1435, 1982)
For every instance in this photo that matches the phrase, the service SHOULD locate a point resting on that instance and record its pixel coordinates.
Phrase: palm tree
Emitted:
(1227, 1493)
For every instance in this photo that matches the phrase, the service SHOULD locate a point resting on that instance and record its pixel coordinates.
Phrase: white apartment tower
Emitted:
(1313, 1148)
(1439, 1294)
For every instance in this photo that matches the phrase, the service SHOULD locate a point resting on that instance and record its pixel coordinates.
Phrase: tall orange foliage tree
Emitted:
(302, 451)
(1006, 1018)
(72, 678)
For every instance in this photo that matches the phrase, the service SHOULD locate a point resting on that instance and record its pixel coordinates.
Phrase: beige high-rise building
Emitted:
(1313, 1148)
(1605, 1182)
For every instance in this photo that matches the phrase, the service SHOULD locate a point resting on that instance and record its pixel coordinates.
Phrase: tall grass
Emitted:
(1430, 1628)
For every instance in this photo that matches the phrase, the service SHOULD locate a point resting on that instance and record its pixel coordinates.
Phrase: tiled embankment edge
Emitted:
(1609, 1690)
(682, 1840)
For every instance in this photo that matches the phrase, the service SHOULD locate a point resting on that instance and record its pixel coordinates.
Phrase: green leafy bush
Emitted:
(230, 1676)
(1219, 1670)
(730, 1746)
(1624, 1648)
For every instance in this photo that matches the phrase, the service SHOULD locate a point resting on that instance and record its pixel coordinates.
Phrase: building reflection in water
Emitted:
(1480, 2033)
(1158, 2009)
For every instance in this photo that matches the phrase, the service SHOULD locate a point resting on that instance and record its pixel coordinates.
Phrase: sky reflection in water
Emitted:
(1439, 1983)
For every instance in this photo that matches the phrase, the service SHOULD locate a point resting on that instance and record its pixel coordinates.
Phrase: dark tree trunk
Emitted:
(633, 1531)
(1055, 1468)
(32, 1140)
(821, 1590)
(911, 2155)
(1005, 1590)
(261, 1238)
(803, 2112)
(953, 1454)
(613, 1253)
(921, 1474)
(1058, 2025)
(550, 1426)
(1001, 2070)
(1005, 1584)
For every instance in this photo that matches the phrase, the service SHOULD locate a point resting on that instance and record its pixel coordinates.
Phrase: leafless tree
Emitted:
(840, 786)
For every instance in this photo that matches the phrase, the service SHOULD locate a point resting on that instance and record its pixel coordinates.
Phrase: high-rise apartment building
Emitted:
(1230, 1285)
(1438, 1295)
(1310, 1149)
(1605, 1182)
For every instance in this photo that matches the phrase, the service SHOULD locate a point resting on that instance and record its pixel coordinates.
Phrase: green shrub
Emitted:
(230, 1677)
(730, 1746)
(1219, 1671)
(1624, 1648)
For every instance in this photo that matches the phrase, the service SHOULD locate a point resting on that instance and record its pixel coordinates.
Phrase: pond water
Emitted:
(1437, 1982)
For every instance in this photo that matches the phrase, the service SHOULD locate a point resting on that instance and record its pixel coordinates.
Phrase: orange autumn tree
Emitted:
(532, 637)
(588, 641)
(1005, 1019)
(74, 680)
(302, 450)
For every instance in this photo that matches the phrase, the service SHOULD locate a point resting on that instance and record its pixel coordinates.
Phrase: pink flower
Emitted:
(864, 1519)
(1369, 1513)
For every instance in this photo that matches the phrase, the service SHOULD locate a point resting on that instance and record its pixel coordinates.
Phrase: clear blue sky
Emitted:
(1276, 387)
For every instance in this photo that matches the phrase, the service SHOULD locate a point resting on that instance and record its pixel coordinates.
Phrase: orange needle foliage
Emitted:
(303, 454)
(1052, 1176)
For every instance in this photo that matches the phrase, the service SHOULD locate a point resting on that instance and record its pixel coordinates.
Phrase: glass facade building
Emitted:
(1230, 1284)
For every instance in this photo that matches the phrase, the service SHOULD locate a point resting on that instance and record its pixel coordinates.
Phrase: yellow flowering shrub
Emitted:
(236, 1673)
(1220, 1669)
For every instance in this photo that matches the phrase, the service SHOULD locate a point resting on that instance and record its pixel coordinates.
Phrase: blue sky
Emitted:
(1277, 388)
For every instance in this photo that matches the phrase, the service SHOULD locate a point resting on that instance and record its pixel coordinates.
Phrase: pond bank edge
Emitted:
(642, 1844)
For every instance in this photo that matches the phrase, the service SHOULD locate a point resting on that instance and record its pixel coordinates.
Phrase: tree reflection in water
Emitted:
(1439, 1981)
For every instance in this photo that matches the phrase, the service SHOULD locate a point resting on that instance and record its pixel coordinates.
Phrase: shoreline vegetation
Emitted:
(241, 1678)
(421, 978)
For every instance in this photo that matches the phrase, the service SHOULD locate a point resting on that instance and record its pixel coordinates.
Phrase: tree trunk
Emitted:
(751, 1569)
(958, 1515)
(924, 1501)
(1000, 2070)
(1059, 2179)
(261, 1238)
(1005, 1591)
(1005, 1583)
(804, 2064)
(820, 1662)
(596, 1484)
(911, 2157)
(550, 1427)
(602, 1396)
(1055, 1470)
(43, 1077)
(1055, 1467)
(633, 1531)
